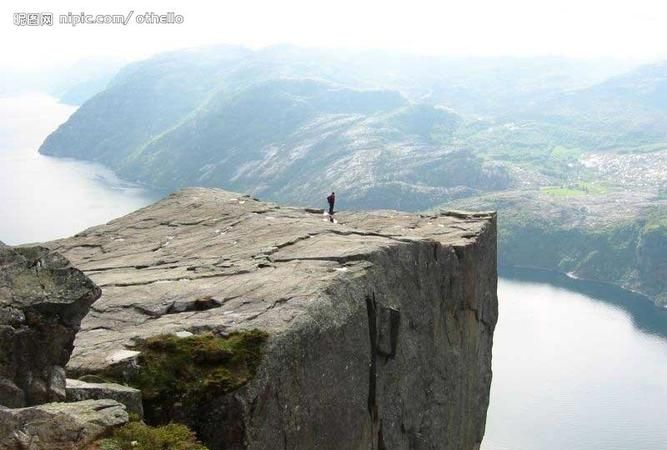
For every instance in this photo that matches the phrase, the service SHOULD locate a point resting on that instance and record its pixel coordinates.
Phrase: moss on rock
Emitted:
(139, 436)
(177, 375)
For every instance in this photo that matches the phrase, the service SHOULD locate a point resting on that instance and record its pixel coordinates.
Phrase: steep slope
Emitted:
(143, 100)
(289, 320)
(294, 139)
(233, 120)
(614, 237)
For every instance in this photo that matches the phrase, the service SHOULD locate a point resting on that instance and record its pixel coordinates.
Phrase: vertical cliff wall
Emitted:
(379, 328)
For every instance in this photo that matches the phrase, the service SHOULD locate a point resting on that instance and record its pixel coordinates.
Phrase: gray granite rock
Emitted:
(381, 324)
(80, 390)
(59, 426)
(42, 301)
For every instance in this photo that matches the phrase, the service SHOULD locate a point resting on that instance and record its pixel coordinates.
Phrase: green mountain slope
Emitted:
(237, 122)
(611, 236)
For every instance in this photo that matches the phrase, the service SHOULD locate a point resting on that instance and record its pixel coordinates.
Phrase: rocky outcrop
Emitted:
(42, 301)
(59, 426)
(78, 390)
(371, 333)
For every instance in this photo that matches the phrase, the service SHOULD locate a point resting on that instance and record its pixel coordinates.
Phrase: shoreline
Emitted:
(504, 268)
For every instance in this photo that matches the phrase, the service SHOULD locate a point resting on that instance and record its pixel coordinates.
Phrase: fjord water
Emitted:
(577, 366)
(43, 198)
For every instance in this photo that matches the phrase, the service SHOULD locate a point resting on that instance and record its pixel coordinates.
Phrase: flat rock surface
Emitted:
(59, 426)
(78, 390)
(210, 259)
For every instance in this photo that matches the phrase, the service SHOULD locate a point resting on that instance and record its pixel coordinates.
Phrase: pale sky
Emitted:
(580, 28)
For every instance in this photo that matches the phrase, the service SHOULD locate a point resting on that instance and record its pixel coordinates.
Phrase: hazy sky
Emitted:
(581, 28)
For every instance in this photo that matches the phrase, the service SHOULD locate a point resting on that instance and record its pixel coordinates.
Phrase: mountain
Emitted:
(625, 110)
(574, 149)
(229, 118)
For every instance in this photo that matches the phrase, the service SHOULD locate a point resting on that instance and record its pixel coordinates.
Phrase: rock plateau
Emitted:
(379, 326)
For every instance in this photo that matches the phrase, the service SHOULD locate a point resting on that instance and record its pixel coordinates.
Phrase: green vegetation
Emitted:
(593, 239)
(574, 189)
(566, 154)
(562, 191)
(606, 254)
(429, 122)
(139, 436)
(656, 224)
(178, 374)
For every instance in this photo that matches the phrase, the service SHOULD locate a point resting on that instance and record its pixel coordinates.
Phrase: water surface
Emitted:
(576, 366)
(43, 198)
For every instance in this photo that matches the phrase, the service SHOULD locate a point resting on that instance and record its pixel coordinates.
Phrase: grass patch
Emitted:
(178, 375)
(139, 436)
(574, 189)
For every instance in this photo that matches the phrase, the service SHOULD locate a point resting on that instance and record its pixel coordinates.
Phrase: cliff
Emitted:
(613, 237)
(268, 327)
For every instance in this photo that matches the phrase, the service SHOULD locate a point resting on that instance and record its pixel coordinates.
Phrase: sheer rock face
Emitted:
(381, 324)
(42, 301)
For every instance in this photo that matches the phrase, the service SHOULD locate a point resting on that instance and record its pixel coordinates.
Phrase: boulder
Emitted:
(42, 301)
(78, 390)
(59, 426)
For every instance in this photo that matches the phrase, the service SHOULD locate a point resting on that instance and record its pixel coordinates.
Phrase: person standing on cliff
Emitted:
(331, 200)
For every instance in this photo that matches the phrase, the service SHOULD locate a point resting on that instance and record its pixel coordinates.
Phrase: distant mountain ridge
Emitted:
(627, 108)
(388, 131)
(250, 123)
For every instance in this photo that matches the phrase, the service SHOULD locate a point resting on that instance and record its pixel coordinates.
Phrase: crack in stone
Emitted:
(371, 309)
(369, 233)
(97, 270)
(337, 259)
(68, 249)
(163, 280)
(177, 307)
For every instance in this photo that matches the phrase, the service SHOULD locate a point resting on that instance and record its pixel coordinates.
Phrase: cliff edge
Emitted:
(282, 330)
